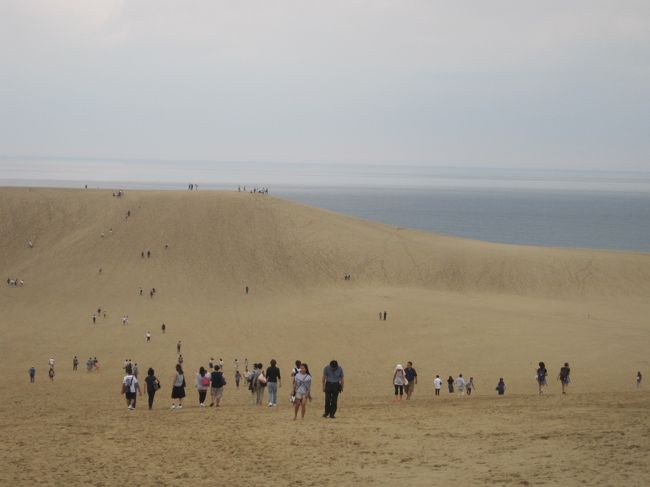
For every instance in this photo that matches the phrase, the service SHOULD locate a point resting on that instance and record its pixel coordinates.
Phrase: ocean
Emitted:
(584, 209)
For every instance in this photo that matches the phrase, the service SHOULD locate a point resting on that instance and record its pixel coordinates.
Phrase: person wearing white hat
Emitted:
(399, 381)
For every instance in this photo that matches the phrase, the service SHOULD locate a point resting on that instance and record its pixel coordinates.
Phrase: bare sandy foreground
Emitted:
(453, 306)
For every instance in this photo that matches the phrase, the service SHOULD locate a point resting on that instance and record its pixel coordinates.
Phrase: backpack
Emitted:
(127, 386)
(205, 381)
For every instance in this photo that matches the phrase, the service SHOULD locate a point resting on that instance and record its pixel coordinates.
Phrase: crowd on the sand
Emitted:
(259, 379)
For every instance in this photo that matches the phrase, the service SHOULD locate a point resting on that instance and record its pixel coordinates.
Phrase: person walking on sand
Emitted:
(32, 374)
(437, 385)
(178, 346)
(51, 362)
(237, 378)
(130, 387)
(202, 384)
(302, 386)
(639, 378)
(399, 380)
(541, 377)
(411, 378)
(51, 374)
(450, 384)
(460, 383)
(501, 387)
(217, 381)
(563, 376)
(148, 336)
(260, 384)
(470, 386)
(178, 389)
(153, 384)
(163, 328)
(75, 363)
(94, 318)
(274, 381)
(333, 381)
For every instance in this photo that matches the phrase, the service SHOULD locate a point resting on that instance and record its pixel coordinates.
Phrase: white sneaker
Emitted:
(202, 405)
(270, 404)
(173, 406)
(180, 406)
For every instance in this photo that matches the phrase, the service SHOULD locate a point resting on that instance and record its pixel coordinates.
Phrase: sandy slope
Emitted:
(453, 305)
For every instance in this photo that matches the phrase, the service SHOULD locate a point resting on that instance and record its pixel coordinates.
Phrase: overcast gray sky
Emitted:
(523, 84)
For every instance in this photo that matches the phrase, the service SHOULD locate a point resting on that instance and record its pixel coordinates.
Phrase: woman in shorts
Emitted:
(178, 389)
(302, 386)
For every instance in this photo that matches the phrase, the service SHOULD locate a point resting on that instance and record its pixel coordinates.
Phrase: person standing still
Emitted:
(332, 387)
(75, 363)
(32, 374)
(411, 377)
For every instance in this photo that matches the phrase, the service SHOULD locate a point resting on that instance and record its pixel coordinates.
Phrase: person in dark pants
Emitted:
(153, 384)
(332, 386)
(32, 374)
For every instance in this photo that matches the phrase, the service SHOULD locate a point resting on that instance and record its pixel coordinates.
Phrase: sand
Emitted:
(454, 306)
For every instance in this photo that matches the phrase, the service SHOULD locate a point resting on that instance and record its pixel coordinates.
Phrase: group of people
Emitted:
(262, 190)
(564, 376)
(15, 282)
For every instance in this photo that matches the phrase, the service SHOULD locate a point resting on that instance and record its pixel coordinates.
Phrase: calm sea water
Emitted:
(604, 220)
(607, 210)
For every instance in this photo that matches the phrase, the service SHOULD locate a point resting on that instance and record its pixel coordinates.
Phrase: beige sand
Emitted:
(453, 305)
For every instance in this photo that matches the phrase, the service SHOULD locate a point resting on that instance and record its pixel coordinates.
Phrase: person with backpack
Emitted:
(202, 385)
(563, 376)
(217, 381)
(153, 384)
(541, 377)
(501, 387)
(130, 387)
(178, 389)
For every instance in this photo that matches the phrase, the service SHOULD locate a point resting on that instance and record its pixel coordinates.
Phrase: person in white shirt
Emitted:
(437, 384)
(130, 387)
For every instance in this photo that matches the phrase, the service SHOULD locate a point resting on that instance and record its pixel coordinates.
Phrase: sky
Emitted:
(477, 84)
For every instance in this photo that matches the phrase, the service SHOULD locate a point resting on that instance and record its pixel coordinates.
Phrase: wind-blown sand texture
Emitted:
(454, 305)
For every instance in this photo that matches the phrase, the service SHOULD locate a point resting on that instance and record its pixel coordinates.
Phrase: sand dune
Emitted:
(454, 305)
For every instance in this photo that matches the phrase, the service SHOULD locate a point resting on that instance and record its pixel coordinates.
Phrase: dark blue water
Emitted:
(607, 220)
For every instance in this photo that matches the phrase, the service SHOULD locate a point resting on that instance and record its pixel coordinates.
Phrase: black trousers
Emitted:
(151, 395)
(332, 390)
(202, 395)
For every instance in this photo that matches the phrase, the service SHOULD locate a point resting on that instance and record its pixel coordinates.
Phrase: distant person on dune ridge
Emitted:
(302, 388)
(178, 389)
(399, 380)
(639, 378)
(202, 384)
(563, 376)
(541, 377)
